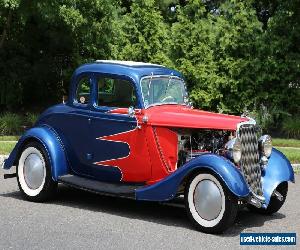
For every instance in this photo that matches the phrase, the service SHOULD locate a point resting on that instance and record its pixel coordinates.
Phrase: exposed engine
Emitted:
(195, 142)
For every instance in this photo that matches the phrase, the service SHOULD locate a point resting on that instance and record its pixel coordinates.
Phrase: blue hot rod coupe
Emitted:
(128, 130)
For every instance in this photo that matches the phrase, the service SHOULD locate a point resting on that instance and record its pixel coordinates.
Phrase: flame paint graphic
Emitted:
(137, 154)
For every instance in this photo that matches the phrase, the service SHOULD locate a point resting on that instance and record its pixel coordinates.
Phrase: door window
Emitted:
(83, 90)
(113, 92)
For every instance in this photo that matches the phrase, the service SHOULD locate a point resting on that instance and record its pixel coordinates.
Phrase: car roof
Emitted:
(134, 70)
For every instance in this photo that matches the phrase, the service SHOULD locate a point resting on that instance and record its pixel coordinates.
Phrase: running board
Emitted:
(7, 176)
(107, 188)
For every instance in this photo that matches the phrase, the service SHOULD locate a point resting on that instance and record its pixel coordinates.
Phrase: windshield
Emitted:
(163, 90)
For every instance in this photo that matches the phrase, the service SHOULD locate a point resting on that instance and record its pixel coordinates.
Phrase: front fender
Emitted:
(53, 145)
(278, 170)
(166, 189)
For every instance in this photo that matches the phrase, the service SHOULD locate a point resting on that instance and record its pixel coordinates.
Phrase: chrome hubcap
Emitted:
(34, 171)
(207, 200)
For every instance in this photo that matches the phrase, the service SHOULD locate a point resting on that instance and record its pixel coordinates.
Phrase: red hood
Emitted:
(182, 116)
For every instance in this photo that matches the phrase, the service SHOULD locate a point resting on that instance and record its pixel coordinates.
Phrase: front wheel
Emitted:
(210, 206)
(34, 173)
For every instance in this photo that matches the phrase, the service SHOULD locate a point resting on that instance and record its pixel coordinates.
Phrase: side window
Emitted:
(83, 90)
(113, 92)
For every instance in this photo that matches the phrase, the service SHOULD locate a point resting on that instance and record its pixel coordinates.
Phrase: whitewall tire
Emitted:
(34, 173)
(210, 206)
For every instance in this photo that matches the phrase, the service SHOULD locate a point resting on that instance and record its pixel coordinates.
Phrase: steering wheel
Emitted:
(168, 99)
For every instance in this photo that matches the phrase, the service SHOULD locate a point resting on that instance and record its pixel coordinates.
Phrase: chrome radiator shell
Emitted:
(248, 134)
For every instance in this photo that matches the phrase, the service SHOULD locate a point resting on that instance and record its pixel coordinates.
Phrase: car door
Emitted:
(120, 150)
(74, 126)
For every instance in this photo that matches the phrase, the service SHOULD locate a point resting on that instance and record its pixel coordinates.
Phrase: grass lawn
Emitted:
(291, 153)
(9, 138)
(6, 147)
(278, 142)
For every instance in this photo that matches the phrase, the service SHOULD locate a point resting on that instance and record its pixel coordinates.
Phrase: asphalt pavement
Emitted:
(82, 220)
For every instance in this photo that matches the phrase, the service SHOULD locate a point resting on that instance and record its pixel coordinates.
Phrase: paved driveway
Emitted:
(82, 220)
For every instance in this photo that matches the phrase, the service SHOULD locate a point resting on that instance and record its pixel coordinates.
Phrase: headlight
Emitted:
(265, 145)
(233, 150)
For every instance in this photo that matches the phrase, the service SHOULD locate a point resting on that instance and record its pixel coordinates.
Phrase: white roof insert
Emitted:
(127, 63)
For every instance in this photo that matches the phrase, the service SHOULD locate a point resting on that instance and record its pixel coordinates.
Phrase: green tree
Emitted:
(216, 52)
(44, 42)
(280, 59)
(235, 55)
(142, 34)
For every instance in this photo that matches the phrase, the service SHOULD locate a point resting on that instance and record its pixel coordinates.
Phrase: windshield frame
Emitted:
(162, 103)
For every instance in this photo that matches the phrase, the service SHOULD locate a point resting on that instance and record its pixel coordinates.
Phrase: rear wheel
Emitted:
(34, 173)
(209, 204)
(275, 203)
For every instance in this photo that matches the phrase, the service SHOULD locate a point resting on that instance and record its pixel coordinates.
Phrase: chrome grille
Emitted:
(248, 135)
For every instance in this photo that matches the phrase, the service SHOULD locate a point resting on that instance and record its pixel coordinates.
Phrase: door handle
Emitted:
(89, 121)
(89, 156)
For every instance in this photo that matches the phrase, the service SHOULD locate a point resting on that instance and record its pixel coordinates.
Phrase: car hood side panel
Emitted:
(186, 117)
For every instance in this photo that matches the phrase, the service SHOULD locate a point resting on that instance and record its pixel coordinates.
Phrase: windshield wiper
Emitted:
(168, 85)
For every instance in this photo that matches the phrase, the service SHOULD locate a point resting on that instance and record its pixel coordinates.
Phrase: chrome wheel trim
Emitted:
(207, 199)
(200, 211)
(32, 171)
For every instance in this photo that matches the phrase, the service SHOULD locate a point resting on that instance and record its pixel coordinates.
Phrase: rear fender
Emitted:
(166, 189)
(51, 142)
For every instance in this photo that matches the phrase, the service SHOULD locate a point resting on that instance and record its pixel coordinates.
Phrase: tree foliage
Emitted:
(235, 55)
(216, 52)
(142, 34)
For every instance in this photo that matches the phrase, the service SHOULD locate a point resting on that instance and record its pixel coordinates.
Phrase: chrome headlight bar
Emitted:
(265, 145)
(233, 150)
(233, 146)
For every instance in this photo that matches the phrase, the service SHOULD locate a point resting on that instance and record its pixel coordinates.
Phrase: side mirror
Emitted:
(131, 111)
